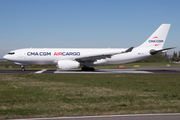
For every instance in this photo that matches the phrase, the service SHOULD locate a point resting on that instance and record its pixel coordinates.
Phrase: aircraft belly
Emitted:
(129, 57)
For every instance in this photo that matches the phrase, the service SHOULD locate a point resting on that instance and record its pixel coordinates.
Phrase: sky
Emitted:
(85, 23)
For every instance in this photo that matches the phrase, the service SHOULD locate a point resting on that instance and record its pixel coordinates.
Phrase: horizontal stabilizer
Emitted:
(153, 52)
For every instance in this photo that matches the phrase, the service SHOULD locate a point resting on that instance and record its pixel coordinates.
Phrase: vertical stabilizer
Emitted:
(157, 39)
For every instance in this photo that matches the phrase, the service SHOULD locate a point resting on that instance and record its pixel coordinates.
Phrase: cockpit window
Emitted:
(11, 53)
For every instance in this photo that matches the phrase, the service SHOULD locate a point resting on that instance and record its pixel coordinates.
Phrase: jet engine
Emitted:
(67, 64)
(153, 52)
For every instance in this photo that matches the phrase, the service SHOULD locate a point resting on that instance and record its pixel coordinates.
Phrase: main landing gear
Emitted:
(22, 68)
(87, 69)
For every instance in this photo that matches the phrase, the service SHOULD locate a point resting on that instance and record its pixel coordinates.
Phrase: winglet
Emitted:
(129, 50)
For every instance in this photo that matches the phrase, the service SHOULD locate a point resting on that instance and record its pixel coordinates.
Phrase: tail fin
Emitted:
(157, 39)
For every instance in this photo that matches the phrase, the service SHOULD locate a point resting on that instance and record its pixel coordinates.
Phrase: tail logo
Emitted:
(156, 41)
(155, 37)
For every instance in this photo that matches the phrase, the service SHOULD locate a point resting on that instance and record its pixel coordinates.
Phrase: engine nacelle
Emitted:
(153, 52)
(67, 64)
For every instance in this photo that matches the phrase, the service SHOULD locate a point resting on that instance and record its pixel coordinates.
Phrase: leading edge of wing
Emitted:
(95, 57)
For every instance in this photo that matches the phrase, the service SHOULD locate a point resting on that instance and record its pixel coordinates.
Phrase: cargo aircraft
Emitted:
(69, 58)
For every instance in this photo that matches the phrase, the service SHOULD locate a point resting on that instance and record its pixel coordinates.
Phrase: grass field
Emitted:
(3, 63)
(52, 95)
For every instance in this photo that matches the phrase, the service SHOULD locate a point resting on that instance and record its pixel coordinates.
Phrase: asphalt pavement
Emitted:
(140, 70)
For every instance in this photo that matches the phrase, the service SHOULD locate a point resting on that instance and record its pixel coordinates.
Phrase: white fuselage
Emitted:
(44, 56)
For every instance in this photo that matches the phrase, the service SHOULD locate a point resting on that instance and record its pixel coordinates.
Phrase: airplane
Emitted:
(70, 58)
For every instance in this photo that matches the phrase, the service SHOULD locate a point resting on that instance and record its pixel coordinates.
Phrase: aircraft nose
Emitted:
(5, 57)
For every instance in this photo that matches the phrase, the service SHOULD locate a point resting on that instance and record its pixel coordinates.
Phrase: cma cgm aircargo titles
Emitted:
(69, 58)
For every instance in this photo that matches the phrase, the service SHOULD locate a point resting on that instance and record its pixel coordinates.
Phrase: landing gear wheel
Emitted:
(91, 69)
(23, 69)
(87, 69)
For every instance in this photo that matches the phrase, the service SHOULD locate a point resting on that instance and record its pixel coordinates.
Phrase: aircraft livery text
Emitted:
(55, 53)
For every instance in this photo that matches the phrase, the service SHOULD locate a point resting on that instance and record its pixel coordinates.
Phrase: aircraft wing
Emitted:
(92, 58)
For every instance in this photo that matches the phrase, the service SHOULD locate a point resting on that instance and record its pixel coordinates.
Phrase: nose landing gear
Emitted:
(22, 68)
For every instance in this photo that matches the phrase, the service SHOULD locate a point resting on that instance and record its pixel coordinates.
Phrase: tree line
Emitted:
(163, 57)
(176, 57)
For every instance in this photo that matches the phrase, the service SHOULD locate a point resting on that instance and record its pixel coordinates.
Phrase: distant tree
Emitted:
(175, 54)
(157, 58)
(165, 56)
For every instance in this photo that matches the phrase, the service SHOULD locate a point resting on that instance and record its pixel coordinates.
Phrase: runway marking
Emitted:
(102, 71)
(131, 115)
(41, 71)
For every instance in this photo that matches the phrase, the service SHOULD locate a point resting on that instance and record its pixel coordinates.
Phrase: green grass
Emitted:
(50, 95)
(3, 63)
